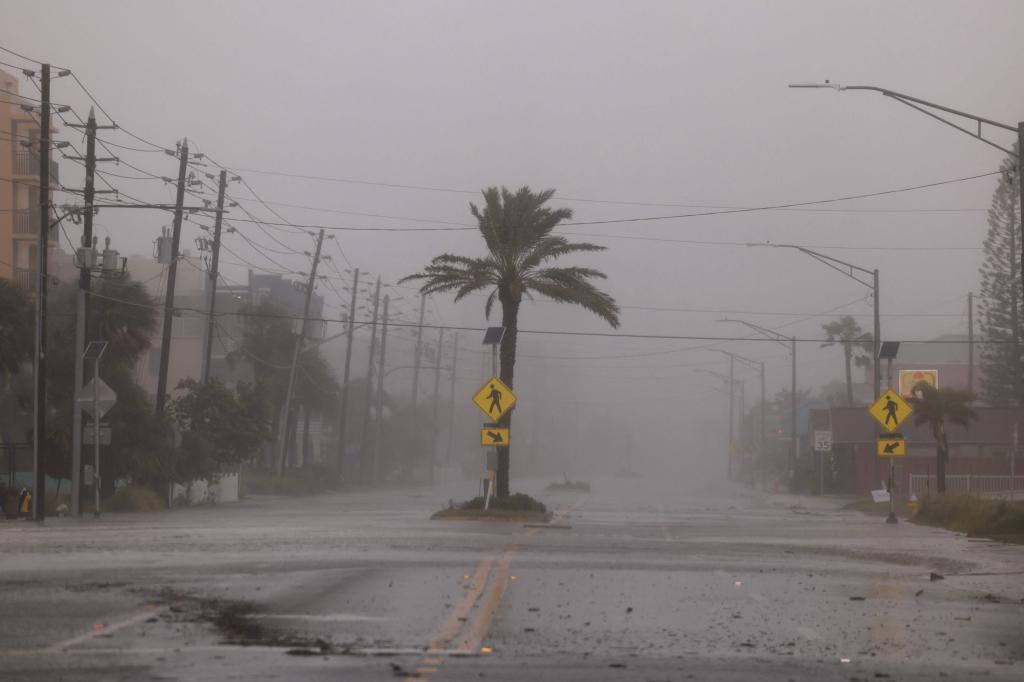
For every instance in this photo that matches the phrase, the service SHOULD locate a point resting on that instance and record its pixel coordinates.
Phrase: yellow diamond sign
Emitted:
(494, 399)
(890, 410)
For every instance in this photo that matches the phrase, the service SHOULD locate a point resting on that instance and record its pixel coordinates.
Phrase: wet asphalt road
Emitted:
(640, 579)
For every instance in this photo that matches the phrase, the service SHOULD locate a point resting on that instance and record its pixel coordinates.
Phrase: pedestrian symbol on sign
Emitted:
(494, 399)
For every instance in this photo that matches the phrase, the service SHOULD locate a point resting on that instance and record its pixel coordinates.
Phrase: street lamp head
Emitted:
(817, 86)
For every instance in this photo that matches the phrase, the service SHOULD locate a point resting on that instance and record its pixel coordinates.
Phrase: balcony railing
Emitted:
(26, 279)
(26, 221)
(27, 163)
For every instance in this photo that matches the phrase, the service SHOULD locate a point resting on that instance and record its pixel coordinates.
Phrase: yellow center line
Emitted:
(496, 583)
(476, 588)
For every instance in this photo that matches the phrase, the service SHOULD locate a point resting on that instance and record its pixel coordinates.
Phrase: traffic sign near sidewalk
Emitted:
(891, 445)
(494, 399)
(890, 410)
(491, 436)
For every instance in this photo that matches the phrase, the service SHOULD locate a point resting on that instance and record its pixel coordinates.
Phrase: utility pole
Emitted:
(795, 453)
(380, 392)
(761, 441)
(732, 419)
(343, 409)
(39, 437)
(451, 400)
(214, 258)
(365, 464)
(437, 390)
(172, 275)
(87, 259)
(416, 364)
(970, 341)
(283, 449)
(878, 335)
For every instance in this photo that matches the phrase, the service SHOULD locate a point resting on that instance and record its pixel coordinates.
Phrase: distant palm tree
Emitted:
(858, 347)
(936, 406)
(517, 228)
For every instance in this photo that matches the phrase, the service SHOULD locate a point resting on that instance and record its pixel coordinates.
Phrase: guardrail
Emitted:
(969, 484)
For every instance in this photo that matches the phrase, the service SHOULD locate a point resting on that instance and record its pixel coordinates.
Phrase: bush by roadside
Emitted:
(516, 507)
(133, 498)
(994, 518)
(311, 480)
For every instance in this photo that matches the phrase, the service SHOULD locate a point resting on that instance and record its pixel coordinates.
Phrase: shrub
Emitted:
(134, 498)
(972, 515)
(514, 502)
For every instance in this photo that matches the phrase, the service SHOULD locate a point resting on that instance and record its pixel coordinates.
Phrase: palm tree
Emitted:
(936, 406)
(858, 347)
(517, 231)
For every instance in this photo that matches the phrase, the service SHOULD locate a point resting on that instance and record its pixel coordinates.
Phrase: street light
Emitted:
(923, 107)
(850, 270)
(790, 345)
(758, 365)
(731, 382)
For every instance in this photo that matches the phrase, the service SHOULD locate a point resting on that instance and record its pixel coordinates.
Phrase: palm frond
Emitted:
(568, 286)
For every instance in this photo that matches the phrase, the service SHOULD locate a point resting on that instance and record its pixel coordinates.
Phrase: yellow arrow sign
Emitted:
(494, 399)
(494, 435)
(890, 410)
(892, 445)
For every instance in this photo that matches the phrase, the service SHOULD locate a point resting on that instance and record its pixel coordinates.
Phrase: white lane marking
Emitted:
(758, 597)
(105, 630)
(318, 617)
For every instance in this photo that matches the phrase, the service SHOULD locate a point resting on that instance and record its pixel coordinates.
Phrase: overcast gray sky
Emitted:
(645, 102)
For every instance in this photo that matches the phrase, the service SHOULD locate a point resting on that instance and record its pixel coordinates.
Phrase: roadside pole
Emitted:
(39, 398)
(451, 401)
(437, 393)
(365, 463)
(732, 419)
(343, 409)
(380, 392)
(892, 460)
(86, 260)
(214, 264)
(172, 274)
(286, 431)
(1013, 460)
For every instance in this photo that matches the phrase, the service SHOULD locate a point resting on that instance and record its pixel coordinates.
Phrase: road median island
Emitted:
(516, 508)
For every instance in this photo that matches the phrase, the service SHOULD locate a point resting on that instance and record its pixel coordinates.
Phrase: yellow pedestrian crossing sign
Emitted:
(890, 410)
(491, 436)
(892, 445)
(494, 399)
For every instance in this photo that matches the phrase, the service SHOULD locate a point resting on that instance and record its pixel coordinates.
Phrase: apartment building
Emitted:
(19, 186)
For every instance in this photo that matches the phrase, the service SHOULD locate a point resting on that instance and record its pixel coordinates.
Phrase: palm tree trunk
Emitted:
(848, 356)
(941, 450)
(507, 356)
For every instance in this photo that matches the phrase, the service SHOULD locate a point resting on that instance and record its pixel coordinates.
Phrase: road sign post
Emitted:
(494, 399)
(97, 398)
(890, 410)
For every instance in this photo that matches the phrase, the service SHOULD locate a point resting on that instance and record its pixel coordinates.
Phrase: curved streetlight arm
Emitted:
(842, 266)
(717, 375)
(783, 340)
(752, 364)
(919, 104)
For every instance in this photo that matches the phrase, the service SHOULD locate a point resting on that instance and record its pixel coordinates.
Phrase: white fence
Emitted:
(969, 484)
(202, 491)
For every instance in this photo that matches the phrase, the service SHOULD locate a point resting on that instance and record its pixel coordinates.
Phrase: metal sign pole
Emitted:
(892, 460)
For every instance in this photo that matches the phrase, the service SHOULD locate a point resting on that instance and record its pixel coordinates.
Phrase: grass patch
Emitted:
(516, 507)
(133, 498)
(311, 480)
(977, 516)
